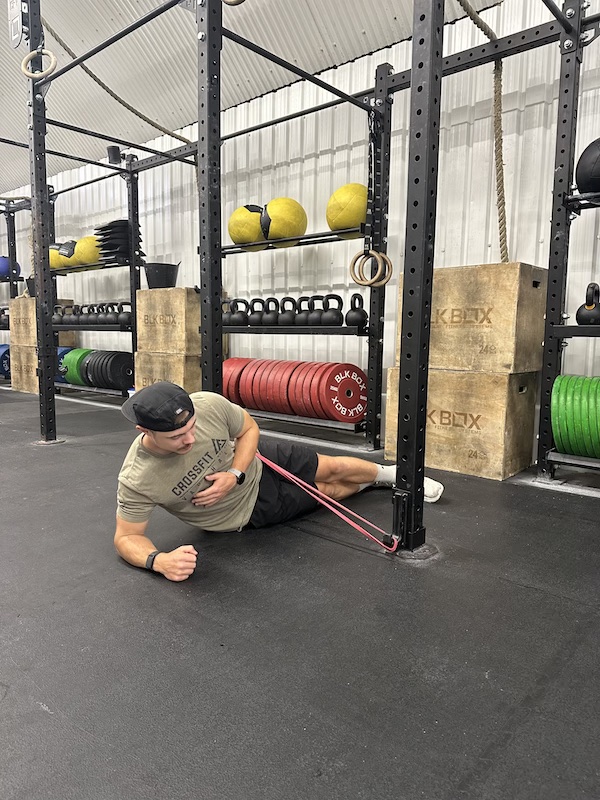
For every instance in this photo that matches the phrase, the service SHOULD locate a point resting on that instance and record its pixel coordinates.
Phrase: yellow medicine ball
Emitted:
(244, 226)
(56, 260)
(347, 208)
(87, 250)
(282, 218)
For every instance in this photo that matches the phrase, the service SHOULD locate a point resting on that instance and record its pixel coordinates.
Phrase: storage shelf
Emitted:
(85, 267)
(308, 238)
(14, 280)
(573, 461)
(95, 389)
(568, 331)
(124, 328)
(338, 330)
(355, 427)
(580, 202)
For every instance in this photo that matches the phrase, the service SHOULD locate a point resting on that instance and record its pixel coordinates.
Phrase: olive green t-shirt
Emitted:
(147, 480)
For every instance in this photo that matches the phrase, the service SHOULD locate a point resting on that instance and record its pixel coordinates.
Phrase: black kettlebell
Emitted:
(314, 317)
(57, 316)
(112, 318)
(3, 319)
(92, 316)
(287, 316)
(226, 312)
(332, 316)
(589, 313)
(239, 316)
(101, 314)
(271, 312)
(83, 316)
(70, 315)
(357, 317)
(302, 315)
(257, 306)
(124, 318)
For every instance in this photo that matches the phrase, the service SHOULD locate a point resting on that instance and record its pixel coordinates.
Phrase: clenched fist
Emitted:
(177, 565)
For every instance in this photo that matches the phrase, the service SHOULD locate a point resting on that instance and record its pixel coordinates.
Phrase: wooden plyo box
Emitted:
(184, 370)
(478, 423)
(487, 318)
(168, 321)
(23, 324)
(23, 369)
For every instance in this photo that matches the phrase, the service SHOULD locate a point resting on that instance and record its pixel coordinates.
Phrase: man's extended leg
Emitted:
(342, 476)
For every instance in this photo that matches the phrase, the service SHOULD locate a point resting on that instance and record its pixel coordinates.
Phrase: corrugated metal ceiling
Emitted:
(155, 68)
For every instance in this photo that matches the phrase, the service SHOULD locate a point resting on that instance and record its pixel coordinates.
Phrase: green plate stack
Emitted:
(73, 361)
(575, 415)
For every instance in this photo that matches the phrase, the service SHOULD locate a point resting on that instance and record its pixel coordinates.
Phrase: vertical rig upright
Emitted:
(571, 54)
(11, 237)
(423, 157)
(41, 217)
(210, 40)
(380, 133)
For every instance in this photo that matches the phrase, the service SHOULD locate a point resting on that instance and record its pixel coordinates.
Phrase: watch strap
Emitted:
(238, 473)
(150, 560)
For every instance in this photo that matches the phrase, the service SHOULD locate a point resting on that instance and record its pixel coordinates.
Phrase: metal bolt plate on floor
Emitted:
(54, 441)
(422, 553)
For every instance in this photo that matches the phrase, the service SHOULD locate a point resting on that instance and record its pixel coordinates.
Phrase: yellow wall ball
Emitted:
(244, 226)
(282, 218)
(87, 250)
(56, 260)
(347, 208)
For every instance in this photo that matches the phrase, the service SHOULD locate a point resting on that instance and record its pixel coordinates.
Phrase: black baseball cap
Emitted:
(158, 406)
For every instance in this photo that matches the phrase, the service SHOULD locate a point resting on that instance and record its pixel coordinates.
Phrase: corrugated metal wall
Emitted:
(309, 157)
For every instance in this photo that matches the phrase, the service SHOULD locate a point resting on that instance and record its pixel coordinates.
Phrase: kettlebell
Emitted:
(124, 318)
(92, 317)
(101, 314)
(257, 307)
(302, 315)
(4, 319)
(332, 316)
(357, 316)
(271, 312)
(287, 316)
(589, 313)
(83, 317)
(314, 317)
(69, 316)
(112, 318)
(239, 316)
(57, 316)
(226, 312)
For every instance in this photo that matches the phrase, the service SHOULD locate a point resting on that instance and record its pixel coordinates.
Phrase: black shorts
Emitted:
(279, 499)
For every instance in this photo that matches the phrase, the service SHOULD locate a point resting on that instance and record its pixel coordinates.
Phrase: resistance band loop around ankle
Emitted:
(332, 505)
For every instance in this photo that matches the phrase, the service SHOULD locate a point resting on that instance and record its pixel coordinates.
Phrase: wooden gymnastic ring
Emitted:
(360, 278)
(388, 271)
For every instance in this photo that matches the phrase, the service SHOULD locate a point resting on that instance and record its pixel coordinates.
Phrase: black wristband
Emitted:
(150, 560)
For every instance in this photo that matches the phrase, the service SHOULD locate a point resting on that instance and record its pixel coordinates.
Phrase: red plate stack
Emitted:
(305, 388)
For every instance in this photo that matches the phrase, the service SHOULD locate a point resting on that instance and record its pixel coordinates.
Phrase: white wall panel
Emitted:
(308, 158)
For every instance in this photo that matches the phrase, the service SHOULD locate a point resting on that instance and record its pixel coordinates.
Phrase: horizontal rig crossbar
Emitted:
(156, 12)
(97, 135)
(348, 98)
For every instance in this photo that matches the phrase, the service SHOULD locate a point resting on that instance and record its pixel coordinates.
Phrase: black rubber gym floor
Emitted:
(298, 662)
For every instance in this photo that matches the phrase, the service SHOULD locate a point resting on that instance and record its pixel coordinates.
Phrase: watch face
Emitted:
(241, 478)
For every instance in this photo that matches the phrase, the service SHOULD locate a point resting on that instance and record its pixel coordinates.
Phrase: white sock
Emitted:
(386, 475)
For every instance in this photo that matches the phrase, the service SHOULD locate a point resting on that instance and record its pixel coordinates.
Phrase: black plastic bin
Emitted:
(161, 276)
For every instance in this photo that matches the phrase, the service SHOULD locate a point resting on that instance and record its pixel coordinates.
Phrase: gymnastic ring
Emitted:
(360, 278)
(388, 271)
(37, 75)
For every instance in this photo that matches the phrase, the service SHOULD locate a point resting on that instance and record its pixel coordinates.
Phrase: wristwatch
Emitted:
(239, 476)
(150, 560)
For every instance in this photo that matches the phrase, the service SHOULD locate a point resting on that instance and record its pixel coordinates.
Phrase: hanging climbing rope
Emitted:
(498, 138)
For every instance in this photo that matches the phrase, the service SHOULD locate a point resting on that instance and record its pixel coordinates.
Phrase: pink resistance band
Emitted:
(332, 505)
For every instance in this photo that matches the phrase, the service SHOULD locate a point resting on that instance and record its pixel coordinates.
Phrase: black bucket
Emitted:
(30, 286)
(161, 276)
